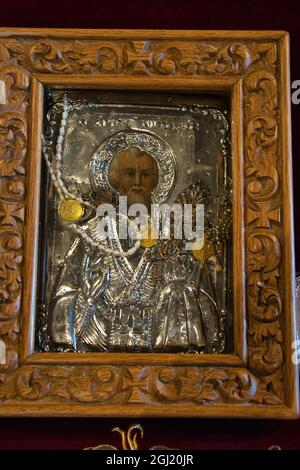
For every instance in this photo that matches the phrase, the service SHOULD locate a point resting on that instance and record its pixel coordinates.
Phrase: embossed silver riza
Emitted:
(149, 302)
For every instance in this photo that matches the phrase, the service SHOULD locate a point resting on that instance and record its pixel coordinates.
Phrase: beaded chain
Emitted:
(64, 194)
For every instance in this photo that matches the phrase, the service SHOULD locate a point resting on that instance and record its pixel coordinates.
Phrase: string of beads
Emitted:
(64, 194)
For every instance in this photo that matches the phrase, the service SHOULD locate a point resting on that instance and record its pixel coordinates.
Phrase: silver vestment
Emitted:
(144, 303)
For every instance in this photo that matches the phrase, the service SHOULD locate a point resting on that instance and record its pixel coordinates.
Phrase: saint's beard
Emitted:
(139, 197)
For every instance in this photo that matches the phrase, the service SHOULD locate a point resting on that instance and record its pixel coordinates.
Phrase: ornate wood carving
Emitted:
(13, 145)
(154, 57)
(107, 384)
(257, 63)
(263, 245)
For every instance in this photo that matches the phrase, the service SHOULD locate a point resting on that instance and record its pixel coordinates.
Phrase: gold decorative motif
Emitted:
(70, 210)
(204, 253)
(129, 440)
(149, 237)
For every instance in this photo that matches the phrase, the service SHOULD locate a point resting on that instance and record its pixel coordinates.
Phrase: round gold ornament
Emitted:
(70, 210)
(148, 236)
(204, 253)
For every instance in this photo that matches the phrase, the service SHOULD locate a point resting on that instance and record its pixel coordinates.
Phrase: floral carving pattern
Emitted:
(263, 245)
(109, 384)
(13, 145)
(198, 385)
(154, 57)
(81, 384)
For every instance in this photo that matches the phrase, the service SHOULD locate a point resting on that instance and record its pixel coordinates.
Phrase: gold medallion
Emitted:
(70, 210)
(204, 253)
(148, 236)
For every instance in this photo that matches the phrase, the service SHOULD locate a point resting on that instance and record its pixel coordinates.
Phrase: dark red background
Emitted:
(169, 14)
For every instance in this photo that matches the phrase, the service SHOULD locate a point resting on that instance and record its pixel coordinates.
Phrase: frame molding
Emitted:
(259, 379)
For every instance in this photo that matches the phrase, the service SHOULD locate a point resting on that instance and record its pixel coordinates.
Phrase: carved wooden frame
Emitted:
(259, 380)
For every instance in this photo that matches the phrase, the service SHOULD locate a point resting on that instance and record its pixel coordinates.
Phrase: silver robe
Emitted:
(145, 303)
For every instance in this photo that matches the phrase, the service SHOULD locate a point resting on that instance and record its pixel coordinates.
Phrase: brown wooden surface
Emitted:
(253, 68)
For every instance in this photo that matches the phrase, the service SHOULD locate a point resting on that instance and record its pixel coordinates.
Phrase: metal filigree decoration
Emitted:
(130, 442)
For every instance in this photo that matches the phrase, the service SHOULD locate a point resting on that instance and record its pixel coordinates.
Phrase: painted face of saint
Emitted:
(134, 173)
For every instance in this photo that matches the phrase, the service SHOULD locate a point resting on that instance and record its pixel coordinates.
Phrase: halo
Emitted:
(145, 141)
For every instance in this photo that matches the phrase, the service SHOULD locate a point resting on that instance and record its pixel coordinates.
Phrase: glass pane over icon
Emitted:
(135, 239)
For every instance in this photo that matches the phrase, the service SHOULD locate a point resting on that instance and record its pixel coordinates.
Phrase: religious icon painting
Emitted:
(164, 288)
(146, 229)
